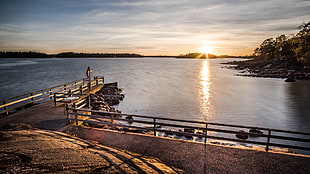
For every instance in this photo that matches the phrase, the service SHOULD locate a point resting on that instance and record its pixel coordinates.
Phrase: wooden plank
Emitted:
(39, 91)
(79, 102)
(20, 100)
(82, 106)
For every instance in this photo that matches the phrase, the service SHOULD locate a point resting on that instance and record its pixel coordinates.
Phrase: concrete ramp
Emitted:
(42, 151)
(194, 157)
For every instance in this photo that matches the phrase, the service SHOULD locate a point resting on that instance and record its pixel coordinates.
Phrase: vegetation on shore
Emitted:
(208, 56)
(281, 56)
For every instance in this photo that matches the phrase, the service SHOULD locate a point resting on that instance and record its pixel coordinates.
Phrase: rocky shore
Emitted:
(275, 68)
(108, 96)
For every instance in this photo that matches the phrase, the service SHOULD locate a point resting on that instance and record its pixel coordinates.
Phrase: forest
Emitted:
(294, 49)
(280, 57)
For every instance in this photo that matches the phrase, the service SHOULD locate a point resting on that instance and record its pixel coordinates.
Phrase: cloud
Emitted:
(148, 26)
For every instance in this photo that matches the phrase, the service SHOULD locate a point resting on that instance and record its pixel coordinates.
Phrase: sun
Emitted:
(206, 49)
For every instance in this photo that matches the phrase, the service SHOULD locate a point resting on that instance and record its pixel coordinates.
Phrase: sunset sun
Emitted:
(206, 49)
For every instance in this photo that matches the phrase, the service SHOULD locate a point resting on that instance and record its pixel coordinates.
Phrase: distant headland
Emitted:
(31, 54)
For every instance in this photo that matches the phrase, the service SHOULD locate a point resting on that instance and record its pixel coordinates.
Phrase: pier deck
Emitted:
(43, 116)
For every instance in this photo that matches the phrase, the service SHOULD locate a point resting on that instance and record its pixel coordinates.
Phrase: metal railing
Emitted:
(199, 129)
(57, 93)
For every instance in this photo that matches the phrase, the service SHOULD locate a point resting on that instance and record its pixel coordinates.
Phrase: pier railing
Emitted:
(74, 93)
(57, 93)
(200, 130)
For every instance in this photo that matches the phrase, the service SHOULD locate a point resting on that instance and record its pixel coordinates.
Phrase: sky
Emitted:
(147, 27)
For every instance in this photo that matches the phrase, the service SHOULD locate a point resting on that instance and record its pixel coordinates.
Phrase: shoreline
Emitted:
(269, 69)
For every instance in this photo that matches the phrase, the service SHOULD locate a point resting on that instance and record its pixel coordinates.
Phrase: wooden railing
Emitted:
(57, 93)
(75, 93)
(199, 129)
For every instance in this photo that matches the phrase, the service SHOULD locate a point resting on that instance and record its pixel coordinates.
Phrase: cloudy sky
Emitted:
(148, 27)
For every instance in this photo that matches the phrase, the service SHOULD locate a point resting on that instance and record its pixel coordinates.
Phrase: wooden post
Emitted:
(112, 119)
(75, 85)
(268, 140)
(55, 99)
(89, 85)
(154, 128)
(67, 112)
(97, 83)
(81, 89)
(51, 94)
(88, 100)
(75, 115)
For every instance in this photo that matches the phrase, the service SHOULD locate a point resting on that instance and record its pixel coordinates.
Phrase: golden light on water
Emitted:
(205, 89)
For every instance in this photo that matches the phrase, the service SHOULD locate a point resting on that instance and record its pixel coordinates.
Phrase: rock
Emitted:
(242, 135)
(290, 79)
(189, 130)
(255, 133)
(129, 119)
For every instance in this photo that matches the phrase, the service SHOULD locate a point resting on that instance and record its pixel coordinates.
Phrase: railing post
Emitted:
(89, 85)
(32, 100)
(268, 140)
(6, 109)
(88, 100)
(51, 94)
(70, 93)
(205, 150)
(55, 99)
(67, 113)
(65, 87)
(206, 133)
(75, 114)
(154, 128)
(97, 82)
(81, 89)
(75, 85)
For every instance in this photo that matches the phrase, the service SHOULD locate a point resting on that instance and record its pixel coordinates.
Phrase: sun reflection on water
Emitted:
(205, 91)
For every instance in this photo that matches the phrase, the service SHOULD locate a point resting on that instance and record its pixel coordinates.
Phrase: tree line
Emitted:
(31, 54)
(294, 49)
(209, 56)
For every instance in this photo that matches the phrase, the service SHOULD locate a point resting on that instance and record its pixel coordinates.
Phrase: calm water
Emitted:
(175, 88)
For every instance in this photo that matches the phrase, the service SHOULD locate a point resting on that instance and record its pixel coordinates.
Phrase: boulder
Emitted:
(242, 135)
(255, 133)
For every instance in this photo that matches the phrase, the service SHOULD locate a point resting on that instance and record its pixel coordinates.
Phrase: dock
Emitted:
(66, 108)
